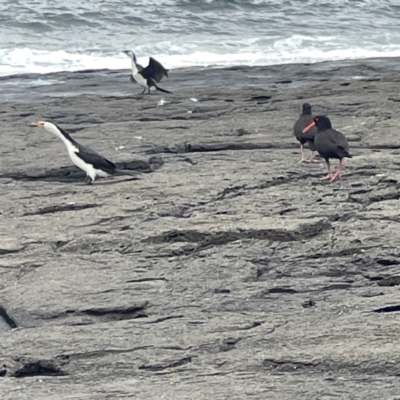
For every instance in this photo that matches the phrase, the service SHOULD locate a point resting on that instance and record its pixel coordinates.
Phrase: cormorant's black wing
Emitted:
(140, 68)
(154, 70)
(92, 157)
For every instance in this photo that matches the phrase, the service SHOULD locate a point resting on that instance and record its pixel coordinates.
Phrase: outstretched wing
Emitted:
(92, 157)
(154, 70)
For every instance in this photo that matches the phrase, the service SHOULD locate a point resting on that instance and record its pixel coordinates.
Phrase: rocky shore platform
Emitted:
(228, 270)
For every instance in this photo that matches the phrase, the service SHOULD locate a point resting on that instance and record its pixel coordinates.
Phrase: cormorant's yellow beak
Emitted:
(38, 123)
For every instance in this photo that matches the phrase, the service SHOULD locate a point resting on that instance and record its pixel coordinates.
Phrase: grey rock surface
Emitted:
(227, 271)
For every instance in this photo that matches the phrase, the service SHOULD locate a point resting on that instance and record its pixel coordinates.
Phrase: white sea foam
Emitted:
(50, 36)
(25, 60)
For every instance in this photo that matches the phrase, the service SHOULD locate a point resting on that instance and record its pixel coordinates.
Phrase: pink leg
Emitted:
(303, 158)
(312, 157)
(338, 173)
(329, 176)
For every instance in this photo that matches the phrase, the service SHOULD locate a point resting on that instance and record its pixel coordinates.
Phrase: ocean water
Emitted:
(56, 35)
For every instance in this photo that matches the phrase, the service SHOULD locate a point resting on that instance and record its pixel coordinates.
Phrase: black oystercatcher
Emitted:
(305, 120)
(330, 144)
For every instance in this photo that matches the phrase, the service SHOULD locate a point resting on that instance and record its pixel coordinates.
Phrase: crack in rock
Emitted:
(172, 364)
(219, 238)
(187, 147)
(99, 353)
(387, 309)
(342, 253)
(61, 208)
(157, 321)
(287, 366)
(338, 286)
(390, 281)
(235, 191)
(12, 250)
(229, 344)
(382, 193)
(38, 368)
(7, 318)
(279, 290)
(94, 245)
(21, 367)
(388, 261)
(147, 280)
(262, 228)
(108, 314)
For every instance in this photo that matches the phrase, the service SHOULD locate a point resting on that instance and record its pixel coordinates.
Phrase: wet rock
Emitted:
(233, 272)
(390, 281)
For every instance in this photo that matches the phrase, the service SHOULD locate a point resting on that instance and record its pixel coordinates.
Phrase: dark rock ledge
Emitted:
(228, 270)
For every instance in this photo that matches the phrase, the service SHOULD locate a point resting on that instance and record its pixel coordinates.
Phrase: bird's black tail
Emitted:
(161, 89)
(343, 152)
(127, 172)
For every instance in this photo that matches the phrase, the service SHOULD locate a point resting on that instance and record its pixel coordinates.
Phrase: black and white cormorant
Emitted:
(84, 157)
(147, 77)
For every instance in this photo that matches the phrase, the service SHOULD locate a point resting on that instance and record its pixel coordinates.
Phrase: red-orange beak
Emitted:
(307, 128)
